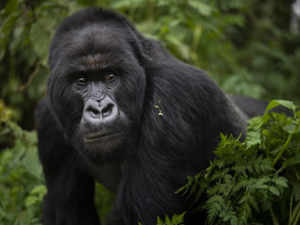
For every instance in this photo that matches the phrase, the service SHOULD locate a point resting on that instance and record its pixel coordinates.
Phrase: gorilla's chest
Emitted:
(108, 174)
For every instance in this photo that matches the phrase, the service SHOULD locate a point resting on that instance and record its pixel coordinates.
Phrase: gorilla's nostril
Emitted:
(93, 111)
(107, 110)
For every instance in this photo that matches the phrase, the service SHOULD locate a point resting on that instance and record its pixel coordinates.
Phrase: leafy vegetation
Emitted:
(246, 46)
(255, 181)
(21, 182)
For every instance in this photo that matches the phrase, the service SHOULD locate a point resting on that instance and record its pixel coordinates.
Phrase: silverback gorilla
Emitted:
(122, 111)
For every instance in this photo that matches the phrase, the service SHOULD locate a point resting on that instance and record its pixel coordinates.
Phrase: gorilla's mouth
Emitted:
(98, 136)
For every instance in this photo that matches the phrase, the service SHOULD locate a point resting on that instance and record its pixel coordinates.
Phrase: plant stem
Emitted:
(274, 219)
(296, 215)
(284, 147)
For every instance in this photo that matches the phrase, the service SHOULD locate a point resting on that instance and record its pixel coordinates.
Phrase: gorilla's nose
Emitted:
(97, 113)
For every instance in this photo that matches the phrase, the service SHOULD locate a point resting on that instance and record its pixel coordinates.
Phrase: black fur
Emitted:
(173, 117)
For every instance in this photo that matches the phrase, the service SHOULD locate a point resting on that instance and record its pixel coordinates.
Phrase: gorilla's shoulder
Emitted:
(44, 118)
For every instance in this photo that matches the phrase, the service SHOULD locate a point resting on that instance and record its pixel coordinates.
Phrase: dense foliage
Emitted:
(247, 47)
(255, 181)
(21, 182)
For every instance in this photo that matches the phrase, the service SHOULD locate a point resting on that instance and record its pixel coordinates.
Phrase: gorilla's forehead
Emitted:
(98, 40)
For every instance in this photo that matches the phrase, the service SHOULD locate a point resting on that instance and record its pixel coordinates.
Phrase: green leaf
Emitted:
(40, 190)
(11, 7)
(202, 8)
(31, 162)
(253, 138)
(121, 4)
(291, 128)
(177, 219)
(255, 123)
(274, 191)
(31, 200)
(180, 46)
(288, 104)
(5, 29)
(39, 37)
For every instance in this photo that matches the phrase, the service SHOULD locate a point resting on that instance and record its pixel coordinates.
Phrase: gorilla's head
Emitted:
(97, 83)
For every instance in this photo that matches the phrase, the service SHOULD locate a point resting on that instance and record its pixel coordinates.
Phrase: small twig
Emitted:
(31, 77)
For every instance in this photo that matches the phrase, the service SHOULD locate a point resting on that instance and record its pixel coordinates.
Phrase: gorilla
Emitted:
(122, 111)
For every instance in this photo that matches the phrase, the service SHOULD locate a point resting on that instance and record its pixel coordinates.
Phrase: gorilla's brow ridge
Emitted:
(100, 61)
(94, 63)
(96, 59)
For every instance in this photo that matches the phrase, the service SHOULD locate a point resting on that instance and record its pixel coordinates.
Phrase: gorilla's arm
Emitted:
(70, 196)
(250, 106)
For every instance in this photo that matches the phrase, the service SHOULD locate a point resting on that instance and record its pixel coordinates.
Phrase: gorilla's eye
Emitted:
(110, 77)
(81, 81)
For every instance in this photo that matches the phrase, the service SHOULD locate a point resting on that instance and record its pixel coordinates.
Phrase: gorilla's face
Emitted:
(97, 89)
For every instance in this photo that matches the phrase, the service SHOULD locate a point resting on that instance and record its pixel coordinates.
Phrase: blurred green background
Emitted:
(248, 47)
